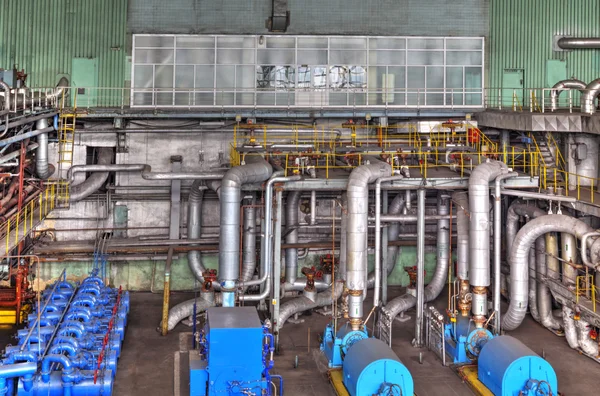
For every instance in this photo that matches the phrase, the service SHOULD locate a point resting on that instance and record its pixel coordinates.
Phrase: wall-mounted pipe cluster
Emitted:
(72, 342)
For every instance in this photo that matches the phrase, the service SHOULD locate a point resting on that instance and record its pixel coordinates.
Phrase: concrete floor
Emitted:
(146, 365)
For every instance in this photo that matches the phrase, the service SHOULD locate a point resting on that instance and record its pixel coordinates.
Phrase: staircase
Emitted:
(551, 158)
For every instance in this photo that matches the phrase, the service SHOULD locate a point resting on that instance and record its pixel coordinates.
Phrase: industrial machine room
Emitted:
(300, 198)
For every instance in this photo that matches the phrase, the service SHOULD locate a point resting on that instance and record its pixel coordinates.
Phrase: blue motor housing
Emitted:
(372, 368)
(232, 359)
(509, 368)
(336, 347)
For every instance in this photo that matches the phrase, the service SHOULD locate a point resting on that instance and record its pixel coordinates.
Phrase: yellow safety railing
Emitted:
(585, 287)
(19, 225)
(560, 161)
(418, 163)
(581, 187)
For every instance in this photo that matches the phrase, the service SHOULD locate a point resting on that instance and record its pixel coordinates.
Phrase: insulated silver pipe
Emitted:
(461, 199)
(96, 180)
(532, 291)
(249, 242)
(479, 226)
(393, 234)
(303, 303)
(343, 237)
(592, 90)
(547, 197)
(587, 345)
(443, 248)
(358, 203)
(579, 42)
(146, 172)
(498, 246)
(418, 341)
(255, 170)
(569, 255)
(544, 298)
(7, 95)
(42, 168)
(194, 228)
(186, 308)
(313, 207)
(560, 86)
(291, 222)
(519, 255)
(570, 328)
(267, 235)
(377, 290)
(515, 210)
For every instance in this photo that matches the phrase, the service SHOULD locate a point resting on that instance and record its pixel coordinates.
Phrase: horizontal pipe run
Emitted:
(23, 136)
(528, 194)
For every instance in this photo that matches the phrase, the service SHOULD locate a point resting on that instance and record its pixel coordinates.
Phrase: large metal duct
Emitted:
(479, 224)
(434, 288)
(479, 234)
(560, 86)
(578, 42)
(42, 168)
(95, 181)
(586, 154)
(4, 86)
(356, 233)
(255, 170)
(519, 255)
(588, 99)
(303, 303)
(291, 221)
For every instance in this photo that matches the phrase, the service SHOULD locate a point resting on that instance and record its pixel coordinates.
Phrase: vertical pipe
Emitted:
(277, 257)
(384, 252)
(313, 207)
(378, 274)
(166, 293)
(569, 255)
(418, 342)
(291, 222)
(249, 245)
(498, 247)
(343, 236)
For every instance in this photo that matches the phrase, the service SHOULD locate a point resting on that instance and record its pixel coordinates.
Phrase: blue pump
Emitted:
(77, 325)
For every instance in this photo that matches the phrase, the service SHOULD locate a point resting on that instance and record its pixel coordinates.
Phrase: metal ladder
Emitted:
(66, 144)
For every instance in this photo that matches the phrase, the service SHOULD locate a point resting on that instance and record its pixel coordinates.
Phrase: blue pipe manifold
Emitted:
(507, 368)
(71, 344)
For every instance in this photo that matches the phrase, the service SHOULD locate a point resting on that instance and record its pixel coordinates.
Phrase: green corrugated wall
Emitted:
(521, 36)
(43, 36)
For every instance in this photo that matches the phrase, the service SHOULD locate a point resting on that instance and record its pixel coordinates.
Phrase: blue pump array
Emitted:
(71, 344)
